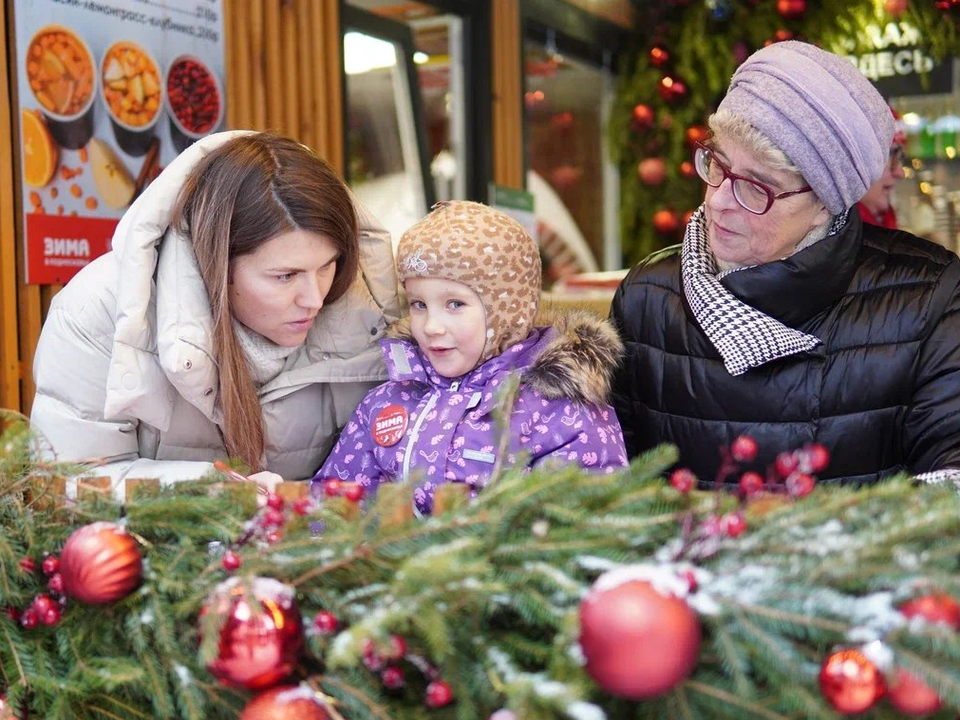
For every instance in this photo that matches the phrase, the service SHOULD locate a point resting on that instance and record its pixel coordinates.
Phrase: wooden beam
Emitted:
(9, 321)
(308, 45)
(331, 71)
(507, 113)
(291, 69)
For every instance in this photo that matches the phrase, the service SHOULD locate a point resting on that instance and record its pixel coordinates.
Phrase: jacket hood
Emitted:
(573, 357)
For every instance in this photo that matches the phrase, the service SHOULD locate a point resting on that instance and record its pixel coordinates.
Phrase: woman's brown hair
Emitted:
(242, 194)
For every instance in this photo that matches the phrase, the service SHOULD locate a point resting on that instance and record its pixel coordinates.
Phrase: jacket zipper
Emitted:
(454, 386)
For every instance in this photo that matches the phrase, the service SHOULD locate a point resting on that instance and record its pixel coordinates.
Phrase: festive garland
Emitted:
(682, 68)
(553, 595)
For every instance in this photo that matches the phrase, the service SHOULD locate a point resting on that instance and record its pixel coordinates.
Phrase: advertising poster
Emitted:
(109, 92)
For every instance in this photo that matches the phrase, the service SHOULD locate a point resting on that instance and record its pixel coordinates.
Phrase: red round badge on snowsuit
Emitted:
(390, 425)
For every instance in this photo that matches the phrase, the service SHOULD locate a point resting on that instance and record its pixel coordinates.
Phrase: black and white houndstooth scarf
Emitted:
(745, 337)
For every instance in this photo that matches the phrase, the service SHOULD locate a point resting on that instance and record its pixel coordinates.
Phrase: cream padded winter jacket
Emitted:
(124, 371)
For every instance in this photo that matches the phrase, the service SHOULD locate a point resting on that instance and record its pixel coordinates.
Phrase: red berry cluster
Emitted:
(335, 488)
(46, 607)
(267, 525)
(792, 473)
(796, 469)
(386, 662)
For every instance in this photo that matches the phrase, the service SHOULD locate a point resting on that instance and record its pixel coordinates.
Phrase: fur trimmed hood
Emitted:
(575, 361)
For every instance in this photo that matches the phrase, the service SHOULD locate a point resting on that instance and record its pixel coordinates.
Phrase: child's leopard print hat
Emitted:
(489, 252)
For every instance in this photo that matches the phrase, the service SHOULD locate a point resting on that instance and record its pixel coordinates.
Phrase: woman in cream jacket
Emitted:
(237, 315)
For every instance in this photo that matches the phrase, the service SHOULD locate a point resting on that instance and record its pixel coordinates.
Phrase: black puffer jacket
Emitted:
(882, 391)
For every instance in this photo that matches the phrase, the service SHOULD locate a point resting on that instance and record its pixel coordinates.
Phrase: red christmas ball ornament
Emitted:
(439, 694)
(659, 56)
(672, 89)
(896, 7)
(29, 619)
(935, 607)
(643, 116)
(51, 616)
(685, 220)
(687, 170)
(286, 702)
(51, 565)
(912, 696)
(850, 682)
(100, 563)
(696, 134)
(779, 36)
(255, 650)
(652, 171)
(666, 222)
(231, 561)
(638, 642)
(42, 603)
(792, 9)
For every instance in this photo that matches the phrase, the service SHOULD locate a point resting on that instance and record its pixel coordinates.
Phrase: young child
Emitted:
(472, 278)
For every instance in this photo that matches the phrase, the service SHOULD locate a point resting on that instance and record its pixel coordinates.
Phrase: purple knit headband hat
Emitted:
(821, 112)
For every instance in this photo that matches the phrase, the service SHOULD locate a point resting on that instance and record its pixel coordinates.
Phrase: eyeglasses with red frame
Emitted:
(752, 195)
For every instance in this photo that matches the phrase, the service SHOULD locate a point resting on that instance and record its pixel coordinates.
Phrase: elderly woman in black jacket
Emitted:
(782, 316)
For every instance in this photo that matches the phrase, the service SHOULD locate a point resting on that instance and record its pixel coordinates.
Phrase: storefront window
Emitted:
(569, 174)
(407, 133)
(927, 199)
(384, 164)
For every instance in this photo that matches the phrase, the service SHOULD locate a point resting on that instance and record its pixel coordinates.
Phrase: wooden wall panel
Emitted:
(9, 321)
(283, 66)
(285, 62)
(507, 83)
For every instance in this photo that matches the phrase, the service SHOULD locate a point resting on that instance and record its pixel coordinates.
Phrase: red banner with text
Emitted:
(58, 246)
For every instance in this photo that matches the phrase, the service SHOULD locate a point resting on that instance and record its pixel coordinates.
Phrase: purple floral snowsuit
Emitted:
(451, 433)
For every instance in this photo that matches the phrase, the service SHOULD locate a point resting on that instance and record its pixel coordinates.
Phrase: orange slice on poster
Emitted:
(39, 150)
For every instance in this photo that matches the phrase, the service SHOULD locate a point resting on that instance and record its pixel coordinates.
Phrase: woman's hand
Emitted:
(266, 479)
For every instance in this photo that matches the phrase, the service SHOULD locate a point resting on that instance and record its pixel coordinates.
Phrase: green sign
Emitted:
(507, 197)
